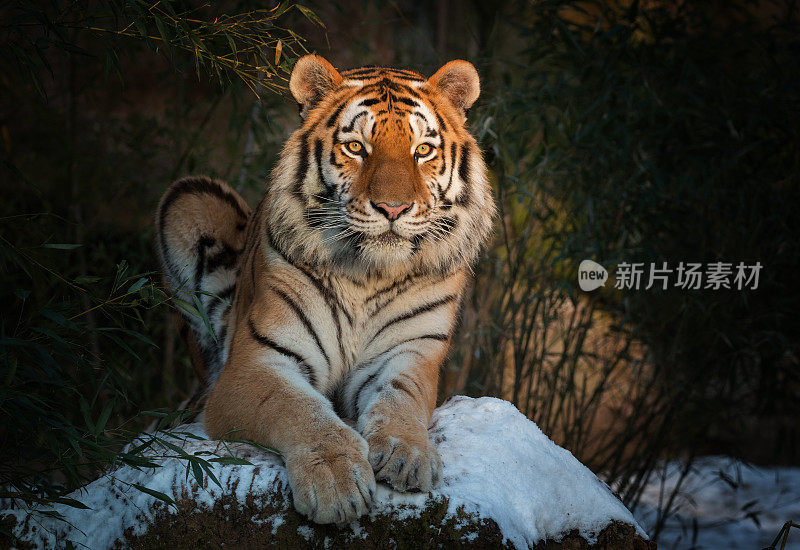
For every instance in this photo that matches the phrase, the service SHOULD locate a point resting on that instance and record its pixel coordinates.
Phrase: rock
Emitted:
(505, 484)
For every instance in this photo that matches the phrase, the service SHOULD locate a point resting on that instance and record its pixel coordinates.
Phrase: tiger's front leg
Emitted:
(397, 396)
(266, 392)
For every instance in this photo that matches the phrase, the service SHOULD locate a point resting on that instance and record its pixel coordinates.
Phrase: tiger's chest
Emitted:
(340, 327)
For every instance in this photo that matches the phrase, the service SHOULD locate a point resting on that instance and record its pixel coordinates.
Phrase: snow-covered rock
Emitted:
(503, 478)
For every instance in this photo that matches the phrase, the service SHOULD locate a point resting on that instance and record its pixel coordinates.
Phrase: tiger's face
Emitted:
(386, 176)
(385, 164)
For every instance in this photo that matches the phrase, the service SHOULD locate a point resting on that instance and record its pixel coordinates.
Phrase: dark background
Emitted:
(645, 131)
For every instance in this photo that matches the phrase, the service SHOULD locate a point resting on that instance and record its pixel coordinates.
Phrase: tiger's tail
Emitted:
(200, 226)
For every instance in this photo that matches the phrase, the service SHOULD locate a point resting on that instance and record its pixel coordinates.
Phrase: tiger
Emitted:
(321, 319)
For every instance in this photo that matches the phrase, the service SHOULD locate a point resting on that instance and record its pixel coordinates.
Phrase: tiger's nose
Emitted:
(391, 210)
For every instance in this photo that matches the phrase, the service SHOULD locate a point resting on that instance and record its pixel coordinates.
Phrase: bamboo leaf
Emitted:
(153, 493)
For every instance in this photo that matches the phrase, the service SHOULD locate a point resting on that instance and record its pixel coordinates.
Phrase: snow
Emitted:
(734, 505)
(496, 462)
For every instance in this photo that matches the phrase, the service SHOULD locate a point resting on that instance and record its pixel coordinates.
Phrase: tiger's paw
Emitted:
(331, 480)
(407, 464)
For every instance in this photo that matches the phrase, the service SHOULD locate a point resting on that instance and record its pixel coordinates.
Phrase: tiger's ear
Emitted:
(312, 78)
(458, 80)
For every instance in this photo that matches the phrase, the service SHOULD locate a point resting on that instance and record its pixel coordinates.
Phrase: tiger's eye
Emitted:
(354, 147)
(423, 150)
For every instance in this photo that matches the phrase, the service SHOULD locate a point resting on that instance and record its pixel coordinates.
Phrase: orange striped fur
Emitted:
(335, 301)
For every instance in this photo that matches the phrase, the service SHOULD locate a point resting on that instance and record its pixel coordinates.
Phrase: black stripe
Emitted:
(385, 362)
(403, 89)
(448, 223)
(463, 168)
(377, 70)
(362, 70)
(264, 341)
(333, 304)
(251, 240)
(442, 125)
(416, 240)
(412, 103)
(328, 295)
(452, 168)
(226, 257)
(440, 337)
(330, 298)
(401, 72)
(251, 227)
(197, 186)
(409, 77)
(389, 288)
(444, 162)
(220, 298)
(318, 155)
(332, 119)
(203, 243)
(463, 173)
(274, 245)
(303, 318)
(302, 169)
(370, 102)
(256, 246)
(464, 197)
(352, 123)
(415, 312)
(333, 162)
(408, 73)
(415, 383)
(396, 384)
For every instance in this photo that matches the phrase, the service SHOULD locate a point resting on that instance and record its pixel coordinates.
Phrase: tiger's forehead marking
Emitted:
(365, 74)
(380, 94)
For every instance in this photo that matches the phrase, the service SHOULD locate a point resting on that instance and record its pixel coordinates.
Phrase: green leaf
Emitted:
(137, 285)
(310, 15)
(153, 493)
(197, 471)
(71, 502)
(232, 460)
(58, 318)
(163, 32)
(186, 306)
(171, 446)
(206, 321)
(210, 473)
(101, 422)
(254, 444)
(87, 416)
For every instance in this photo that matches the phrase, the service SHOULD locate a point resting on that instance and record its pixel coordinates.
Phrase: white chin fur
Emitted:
(382, 253)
